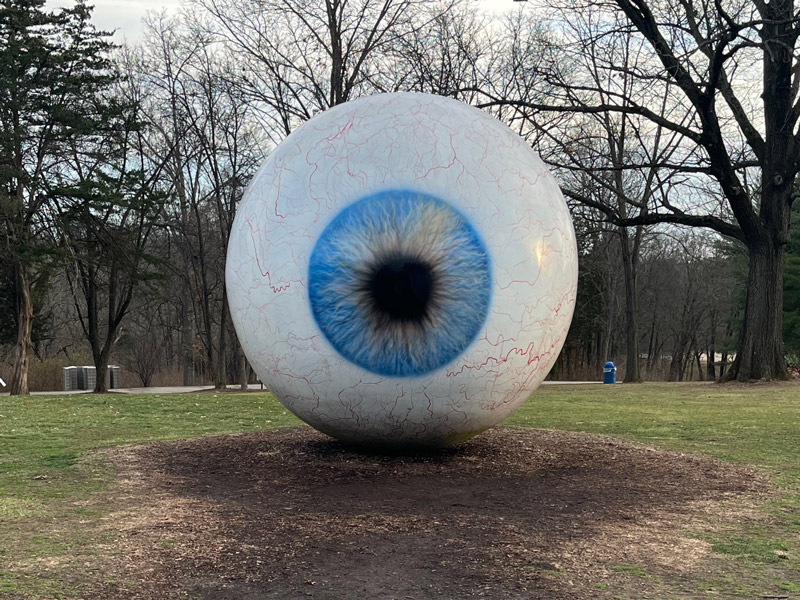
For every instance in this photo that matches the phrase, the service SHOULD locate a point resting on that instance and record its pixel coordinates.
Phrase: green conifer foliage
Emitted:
(54, 71)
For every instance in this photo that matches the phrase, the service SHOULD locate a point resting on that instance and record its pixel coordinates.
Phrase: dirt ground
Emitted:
(512, 514)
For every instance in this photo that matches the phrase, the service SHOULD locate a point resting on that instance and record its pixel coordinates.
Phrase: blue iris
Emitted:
(400, 283)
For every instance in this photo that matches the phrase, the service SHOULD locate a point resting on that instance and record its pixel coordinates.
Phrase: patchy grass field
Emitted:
(44, 439)
(48, 473)
(757, 425)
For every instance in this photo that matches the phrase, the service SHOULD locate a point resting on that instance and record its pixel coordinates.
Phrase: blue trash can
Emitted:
(609, 373)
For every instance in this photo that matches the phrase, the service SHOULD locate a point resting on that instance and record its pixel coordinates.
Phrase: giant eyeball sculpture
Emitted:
(402, 271)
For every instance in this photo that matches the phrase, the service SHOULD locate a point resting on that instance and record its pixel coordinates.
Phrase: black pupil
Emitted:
(401, 289)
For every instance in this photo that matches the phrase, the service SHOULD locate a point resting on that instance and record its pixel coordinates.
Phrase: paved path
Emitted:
(203, 388)
(253, 387)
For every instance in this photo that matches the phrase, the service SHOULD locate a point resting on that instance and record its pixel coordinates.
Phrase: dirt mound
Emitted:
(512, 514)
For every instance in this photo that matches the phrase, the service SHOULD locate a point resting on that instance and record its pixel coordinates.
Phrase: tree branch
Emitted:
(677, 218)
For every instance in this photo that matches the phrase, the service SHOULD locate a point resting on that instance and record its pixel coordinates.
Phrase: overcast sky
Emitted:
(125, 16)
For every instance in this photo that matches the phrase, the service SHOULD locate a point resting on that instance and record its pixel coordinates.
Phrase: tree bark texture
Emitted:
(760, 349)
(220, 369)
(711, 353)
(101, 371)
(187, 335)
(23, 346)
(244, 371)
(632, 373)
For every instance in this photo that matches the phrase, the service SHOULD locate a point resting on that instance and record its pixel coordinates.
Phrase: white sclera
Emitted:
(449, 150)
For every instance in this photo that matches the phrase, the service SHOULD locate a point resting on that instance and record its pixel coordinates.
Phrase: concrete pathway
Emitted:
(253, 387)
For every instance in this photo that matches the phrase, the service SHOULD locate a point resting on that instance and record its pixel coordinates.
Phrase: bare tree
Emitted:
(143, 344)
(229, 154)
(453, 52)
(299, 58)
(705, 57)
(608, 161)
(205, 133)
(157, 71)
(103, 226)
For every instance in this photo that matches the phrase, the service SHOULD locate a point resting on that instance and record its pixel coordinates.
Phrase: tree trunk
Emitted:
(598, 361)
(100, 355)
(178, 176)
(677, 366)
(711, 353)
(711, 371)
(221, 374)
(337, 92)
(101, 370)
(22, 348)
(244, 371)
(760, 349)
(607, 342)
(187, 335)
(698, 362)
(759, 353)
(651, 347)
(632, 374)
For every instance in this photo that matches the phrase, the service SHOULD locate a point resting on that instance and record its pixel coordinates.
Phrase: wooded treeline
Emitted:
(121, 169)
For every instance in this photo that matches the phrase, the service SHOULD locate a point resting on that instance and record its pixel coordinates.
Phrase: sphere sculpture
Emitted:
(402, 271)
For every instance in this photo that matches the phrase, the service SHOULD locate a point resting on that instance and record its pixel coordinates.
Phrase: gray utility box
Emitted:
(70, 378)
(112, 377)
(85, 377)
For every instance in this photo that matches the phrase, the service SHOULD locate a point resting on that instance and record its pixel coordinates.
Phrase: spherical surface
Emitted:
(402, 271)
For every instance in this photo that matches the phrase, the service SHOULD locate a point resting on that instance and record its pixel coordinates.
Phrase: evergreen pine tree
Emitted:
(54, 68)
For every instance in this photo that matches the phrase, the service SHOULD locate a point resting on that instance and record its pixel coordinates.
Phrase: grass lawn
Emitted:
(47, 471)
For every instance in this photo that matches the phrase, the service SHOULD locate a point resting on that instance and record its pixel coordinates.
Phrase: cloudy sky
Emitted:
(125, 16)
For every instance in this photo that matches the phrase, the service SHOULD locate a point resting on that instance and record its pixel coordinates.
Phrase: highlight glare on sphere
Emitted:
(402, 271)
